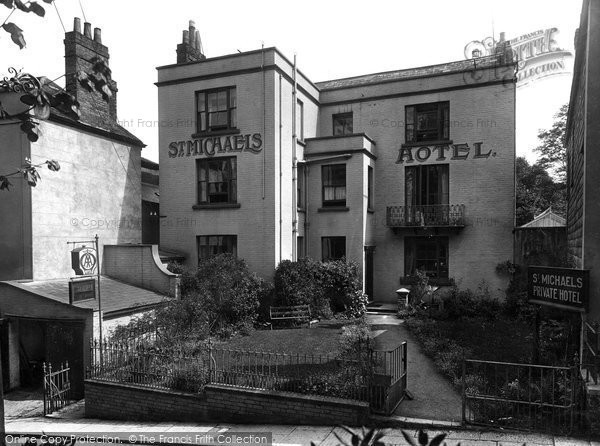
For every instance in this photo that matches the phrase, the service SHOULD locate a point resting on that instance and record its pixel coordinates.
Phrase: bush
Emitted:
(330, 287)
(190, 377)
(220, 297)
(300, 283)
(228, 291)
(467, 304)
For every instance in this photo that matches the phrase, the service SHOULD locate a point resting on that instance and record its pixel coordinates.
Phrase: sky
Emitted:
(331, 40)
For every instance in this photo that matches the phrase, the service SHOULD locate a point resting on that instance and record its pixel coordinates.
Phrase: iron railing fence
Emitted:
(521, 396)
(57, 387)
(439, 215)
(143, 365)
(378, 377)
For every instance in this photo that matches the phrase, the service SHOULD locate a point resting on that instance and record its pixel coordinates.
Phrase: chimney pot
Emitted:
(77, 25)
(186, 36)
(502, 36)
(197, 41)
(192, 24)
(192, 34)
(87, 30)
(97, 35)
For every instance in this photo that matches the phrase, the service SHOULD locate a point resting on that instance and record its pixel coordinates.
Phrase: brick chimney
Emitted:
(190, 50)
(80, 51)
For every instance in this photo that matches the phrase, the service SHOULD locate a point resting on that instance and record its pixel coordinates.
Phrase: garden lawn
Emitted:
(320, 339)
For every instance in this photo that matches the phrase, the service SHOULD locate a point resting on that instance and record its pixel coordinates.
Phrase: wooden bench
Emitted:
(293, 313)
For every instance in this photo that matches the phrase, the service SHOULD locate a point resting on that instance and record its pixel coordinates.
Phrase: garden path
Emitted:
(434, 397)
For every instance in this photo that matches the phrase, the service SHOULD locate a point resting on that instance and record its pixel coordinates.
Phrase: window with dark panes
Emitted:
(217, 109)
(342, 124)
(426, 254)
(426, 185)
(333, 248)
(334, 185)
(212, 245)
(217, 180)
(428, 122)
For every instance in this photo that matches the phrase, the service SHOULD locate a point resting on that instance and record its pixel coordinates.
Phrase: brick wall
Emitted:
(224, 403)
(123, 402)
(140, 265)
(258, 406)
(96, 191)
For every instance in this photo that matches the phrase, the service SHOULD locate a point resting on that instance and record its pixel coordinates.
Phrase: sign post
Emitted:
(99, 304)
(563, 288)
(85, 261)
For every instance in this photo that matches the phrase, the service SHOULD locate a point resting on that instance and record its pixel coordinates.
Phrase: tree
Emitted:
(552, 148)
(537, 191)
(37, 96)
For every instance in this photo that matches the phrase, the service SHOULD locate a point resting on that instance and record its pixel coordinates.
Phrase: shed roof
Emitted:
(547, 219)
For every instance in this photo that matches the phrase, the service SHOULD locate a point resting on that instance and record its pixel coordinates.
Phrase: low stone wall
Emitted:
(218, 403)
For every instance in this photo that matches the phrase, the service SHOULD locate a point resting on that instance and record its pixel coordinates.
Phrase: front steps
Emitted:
(382, 308)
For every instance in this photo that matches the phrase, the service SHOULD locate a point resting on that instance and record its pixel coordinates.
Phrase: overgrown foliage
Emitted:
(552, 148)
(374, 437)
(537, 191)
(16, 33)
(219, 298)
(328, 287)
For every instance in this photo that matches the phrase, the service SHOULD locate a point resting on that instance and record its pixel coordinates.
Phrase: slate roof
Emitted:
(108, 128)
(410, 73)
(116, 296)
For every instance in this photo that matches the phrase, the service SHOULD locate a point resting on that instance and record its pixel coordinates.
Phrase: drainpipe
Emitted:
(262, 67)
(294, 168)
(280, 174)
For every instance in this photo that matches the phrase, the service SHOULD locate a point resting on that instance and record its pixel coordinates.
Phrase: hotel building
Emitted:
(396, 171)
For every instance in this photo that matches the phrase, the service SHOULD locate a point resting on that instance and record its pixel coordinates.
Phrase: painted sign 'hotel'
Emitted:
(397, 171)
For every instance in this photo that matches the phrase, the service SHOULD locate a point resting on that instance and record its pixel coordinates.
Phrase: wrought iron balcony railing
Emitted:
(438, 215)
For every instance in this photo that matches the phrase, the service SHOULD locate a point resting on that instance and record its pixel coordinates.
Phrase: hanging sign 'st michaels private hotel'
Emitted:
(397, 171)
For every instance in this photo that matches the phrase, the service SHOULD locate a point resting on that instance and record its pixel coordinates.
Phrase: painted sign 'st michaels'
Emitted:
(217, 144)
(441, 152)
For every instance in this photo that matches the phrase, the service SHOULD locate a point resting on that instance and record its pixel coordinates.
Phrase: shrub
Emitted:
(300, 283)
(221, 297)
(465, 303)
(330, 287)
(356, 340)
(343, 288)
(228, 291)
(189, 377)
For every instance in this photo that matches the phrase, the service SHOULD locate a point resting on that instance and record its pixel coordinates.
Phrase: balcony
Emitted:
(423, 217)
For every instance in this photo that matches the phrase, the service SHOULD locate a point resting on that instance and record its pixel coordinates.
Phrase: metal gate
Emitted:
(522, 396)
(57, 387)
(390, 379)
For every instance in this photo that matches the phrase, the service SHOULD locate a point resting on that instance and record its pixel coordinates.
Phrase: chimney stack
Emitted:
(87, 30)
(77, 25)
(81, 51)
(98, 35)
(190, 50)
